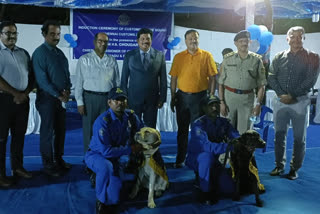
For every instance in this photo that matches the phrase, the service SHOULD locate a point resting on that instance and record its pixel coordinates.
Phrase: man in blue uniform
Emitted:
(206, 144)
(113, 133)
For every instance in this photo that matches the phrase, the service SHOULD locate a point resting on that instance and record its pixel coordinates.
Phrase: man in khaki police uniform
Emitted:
(241, 73)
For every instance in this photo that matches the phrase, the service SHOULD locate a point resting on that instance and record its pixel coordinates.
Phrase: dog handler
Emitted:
(112, 136)
(206, 144)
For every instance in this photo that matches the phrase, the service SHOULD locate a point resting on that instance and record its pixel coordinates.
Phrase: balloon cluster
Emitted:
(261, 39)
(173, 42)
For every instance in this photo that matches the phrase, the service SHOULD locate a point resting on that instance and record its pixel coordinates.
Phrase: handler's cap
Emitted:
(209, 99)
(116, 92)
(242, 34)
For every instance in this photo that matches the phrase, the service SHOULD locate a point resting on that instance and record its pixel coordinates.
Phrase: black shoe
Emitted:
(292, 175)
(62, 164)
(208, 198)
(52, 171)
(101, 208)
(178, 165)
(5, 182)
(277, 171)
(21, 172)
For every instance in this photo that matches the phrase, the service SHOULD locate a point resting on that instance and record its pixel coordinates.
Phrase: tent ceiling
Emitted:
(295, 9)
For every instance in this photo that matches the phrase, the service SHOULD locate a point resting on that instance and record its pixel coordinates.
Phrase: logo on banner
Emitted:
(123, 19)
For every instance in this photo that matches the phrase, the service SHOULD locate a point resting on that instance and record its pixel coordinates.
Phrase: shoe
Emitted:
(178, 165)
(292, 175)
(101, 208)
(21, 172)
(52, 171)
(208, 198)
(277, 171)
(62, 164)
(5, 182)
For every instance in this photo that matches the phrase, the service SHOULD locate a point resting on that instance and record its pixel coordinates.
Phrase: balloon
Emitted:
(266, 38)
(175, 41)
(262, 49)
(73, 44)
(74, 37)
(254, 46)
(263, 28)
(254, 32)
(169, 46)
(170, 39)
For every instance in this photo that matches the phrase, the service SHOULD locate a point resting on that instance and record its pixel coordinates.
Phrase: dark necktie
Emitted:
(145, 61)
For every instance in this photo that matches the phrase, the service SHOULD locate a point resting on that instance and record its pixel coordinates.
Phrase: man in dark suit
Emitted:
(145, 69)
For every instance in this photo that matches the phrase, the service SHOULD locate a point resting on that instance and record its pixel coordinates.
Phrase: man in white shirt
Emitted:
(96, 74)
(16, 81)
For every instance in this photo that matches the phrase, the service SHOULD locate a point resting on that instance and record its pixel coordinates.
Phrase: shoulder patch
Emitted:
(255, 54)
(129, 111)
(228, 54)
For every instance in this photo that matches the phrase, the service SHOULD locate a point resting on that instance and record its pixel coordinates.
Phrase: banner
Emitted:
(121, 28)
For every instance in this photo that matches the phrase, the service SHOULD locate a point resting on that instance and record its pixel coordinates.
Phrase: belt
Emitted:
(188, 93)
(238, 91)
(96, 92)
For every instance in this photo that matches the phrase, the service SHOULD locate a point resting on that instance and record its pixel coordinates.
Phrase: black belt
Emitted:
(188, 93)
(96, 92)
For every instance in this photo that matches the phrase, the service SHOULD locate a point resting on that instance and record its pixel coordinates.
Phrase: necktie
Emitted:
(145, 61)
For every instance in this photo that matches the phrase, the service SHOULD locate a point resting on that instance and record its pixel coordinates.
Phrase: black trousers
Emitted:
(147, 112)
(52, 128)
(13, 117)
(187, 111)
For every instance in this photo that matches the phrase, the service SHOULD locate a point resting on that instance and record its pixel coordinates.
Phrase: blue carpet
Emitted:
(72, 193)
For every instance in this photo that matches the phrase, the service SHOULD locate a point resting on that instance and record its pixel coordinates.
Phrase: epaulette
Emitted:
(255, 54)
(107, 118)
(228, 55)
(129, 111)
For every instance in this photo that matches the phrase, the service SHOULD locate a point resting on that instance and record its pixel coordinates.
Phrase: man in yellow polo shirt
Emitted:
(192, 73)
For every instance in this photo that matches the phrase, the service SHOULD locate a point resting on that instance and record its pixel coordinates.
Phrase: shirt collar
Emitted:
(114, 117)
(142, 52)
(2, 46)
(49, 46)
(199, 51)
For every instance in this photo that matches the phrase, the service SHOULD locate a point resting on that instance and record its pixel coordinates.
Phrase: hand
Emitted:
(81, 110)
(287, 99)
(20, 98)
(160, 104)
(65, 96)
(224, 109)
(173, 103)
(256, 110)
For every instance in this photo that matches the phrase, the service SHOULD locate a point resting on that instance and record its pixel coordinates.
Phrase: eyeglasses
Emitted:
(9, 33)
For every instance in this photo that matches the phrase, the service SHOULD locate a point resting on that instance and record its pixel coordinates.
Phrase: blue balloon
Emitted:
(68, 37)
(255, 32)
(262, 49)
(73, 44)
(169, 46)
(175, 41)
(266, 38)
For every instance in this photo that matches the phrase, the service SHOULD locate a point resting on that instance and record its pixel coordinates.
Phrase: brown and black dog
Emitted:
(244, 167)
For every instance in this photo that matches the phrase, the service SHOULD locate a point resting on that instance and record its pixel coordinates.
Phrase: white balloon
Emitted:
(254, 46)
(75, 37)
(263, 28)
(170, 38)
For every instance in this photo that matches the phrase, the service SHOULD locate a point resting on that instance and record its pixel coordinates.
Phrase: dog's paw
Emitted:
(151, 204)
(259, 203)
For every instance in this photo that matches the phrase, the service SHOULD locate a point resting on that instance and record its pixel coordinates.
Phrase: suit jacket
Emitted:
(150, 84)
